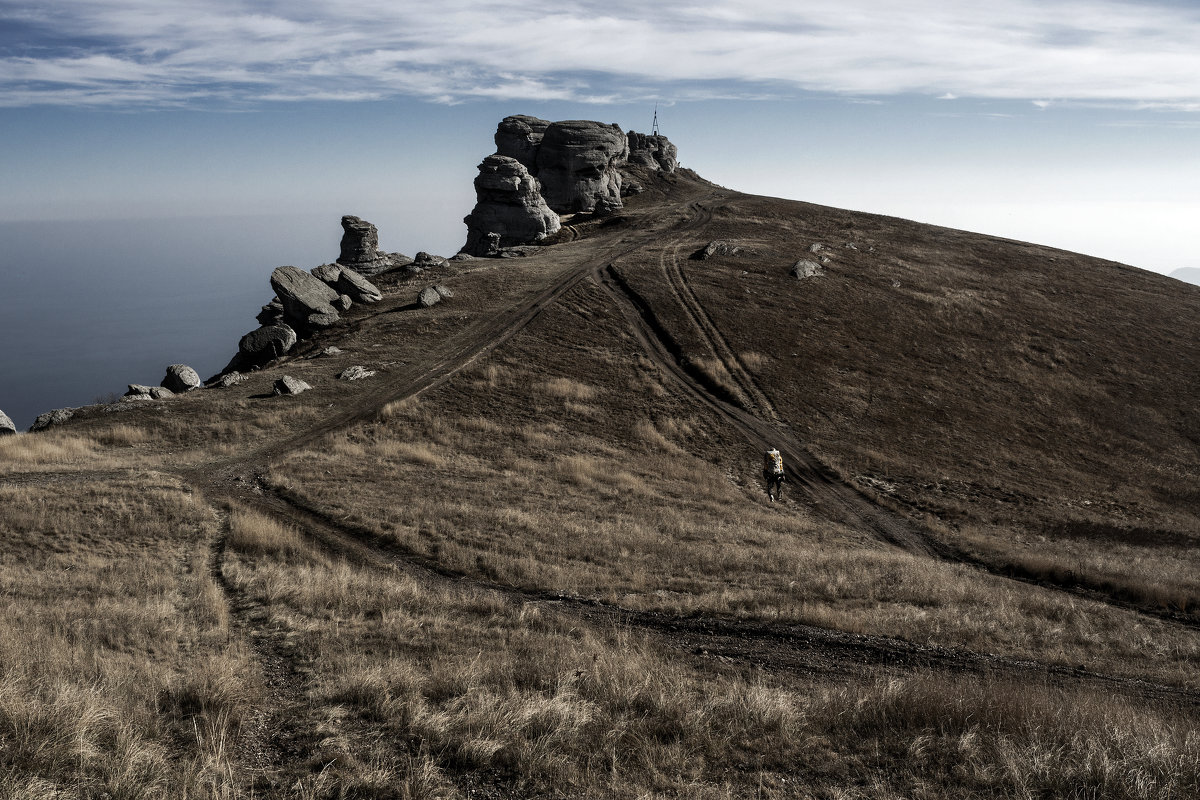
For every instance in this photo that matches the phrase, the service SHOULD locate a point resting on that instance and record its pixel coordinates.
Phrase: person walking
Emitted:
(773, 474)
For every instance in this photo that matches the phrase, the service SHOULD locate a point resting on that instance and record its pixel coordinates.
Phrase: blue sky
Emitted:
(1068, 123)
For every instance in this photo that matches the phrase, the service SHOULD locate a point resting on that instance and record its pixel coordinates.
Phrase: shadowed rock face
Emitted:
(519, 137)
(652, 152)
(577, 165)
(509, 211)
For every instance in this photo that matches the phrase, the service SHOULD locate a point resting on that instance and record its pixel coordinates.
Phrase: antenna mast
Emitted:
(654, 127)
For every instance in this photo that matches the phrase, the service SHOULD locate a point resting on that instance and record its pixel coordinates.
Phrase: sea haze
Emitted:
(90, 306)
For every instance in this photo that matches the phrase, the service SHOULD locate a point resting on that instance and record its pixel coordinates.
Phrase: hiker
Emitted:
(773, 474)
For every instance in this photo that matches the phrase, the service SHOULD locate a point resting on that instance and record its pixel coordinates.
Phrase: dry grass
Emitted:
(117, 675)
(431, 688)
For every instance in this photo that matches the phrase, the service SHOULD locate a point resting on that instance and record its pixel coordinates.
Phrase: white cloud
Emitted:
(172, 51)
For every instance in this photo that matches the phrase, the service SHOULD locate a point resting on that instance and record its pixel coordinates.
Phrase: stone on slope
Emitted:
(271, 313)
(519, 137)
(268, 342)
(655, 152)
(444, 290)
(356, 287)
(429, 297)
(307, 301)
(355, 373)
(342, 303)
(289, 385)
(577, 165)
(7, 428)
(509, 209)
(723, 247)
(51, 418)
(428, 260)
(181, 378)
(229, 379)
(806, 269)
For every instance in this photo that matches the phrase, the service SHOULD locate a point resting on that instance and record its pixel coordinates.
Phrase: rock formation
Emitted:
(307, 301)
(360, 247)
(137, 391)
(7, 428)
(519, 137)
(510, 209)
(355, 373)
(652, 151)
(578, 165)
(181, 378)
(567, 167)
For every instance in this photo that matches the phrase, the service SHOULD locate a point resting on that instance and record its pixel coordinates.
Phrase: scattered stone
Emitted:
(429, 297)
(331, 351)
(7, 428)
(577, 166)
(307, 302)
(289, 385)
(509, 209)
(160, 393)
(653, 152)
(519, 251)
(355, 373)
(139, 392)
(342, 303)
(461, 257)
(267, 343)
(327, 274)
(445, 291)
(229, 379)
(851, 246)
(181, 378)
(356, 287)
(723, 247)
(51, 418)
(806, 269)
(816, 247)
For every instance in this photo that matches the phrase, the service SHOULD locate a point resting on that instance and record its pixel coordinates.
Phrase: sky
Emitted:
(1071, 123)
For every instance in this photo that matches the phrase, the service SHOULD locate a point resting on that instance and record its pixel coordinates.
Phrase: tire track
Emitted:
(751, 394)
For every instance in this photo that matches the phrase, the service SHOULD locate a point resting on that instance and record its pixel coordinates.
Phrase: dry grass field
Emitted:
(532, 556)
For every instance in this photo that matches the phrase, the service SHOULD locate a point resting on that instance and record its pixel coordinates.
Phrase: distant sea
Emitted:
(91, 306)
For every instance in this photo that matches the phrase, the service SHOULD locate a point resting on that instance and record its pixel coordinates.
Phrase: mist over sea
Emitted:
(91, 306)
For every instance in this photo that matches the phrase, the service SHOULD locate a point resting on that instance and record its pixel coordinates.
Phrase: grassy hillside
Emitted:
(532, 555)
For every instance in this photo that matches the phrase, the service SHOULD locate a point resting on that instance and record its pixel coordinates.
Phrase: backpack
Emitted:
(773, 462)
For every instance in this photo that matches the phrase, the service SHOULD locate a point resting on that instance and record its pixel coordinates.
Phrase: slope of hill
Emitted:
(531, 556)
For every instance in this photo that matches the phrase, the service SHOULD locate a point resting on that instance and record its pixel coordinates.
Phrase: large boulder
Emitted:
(7, 428)
(509, 208)
(652, 151)
(268, 342)
(180, 378)
(519, 137)
(577, 165)
(429, 296)
(307, 301)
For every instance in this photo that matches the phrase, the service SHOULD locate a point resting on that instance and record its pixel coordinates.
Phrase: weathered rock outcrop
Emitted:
(181, 378)
(509, 210)
(429, 296)
(652, 151)
(7, 428)
(806, 268)
(360, 247)
(137, 391)
(577, 164)
(519, 137)
(355, 373)
(307, 301)
(51, 418)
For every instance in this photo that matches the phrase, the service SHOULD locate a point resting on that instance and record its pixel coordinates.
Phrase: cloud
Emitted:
(139, 52)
